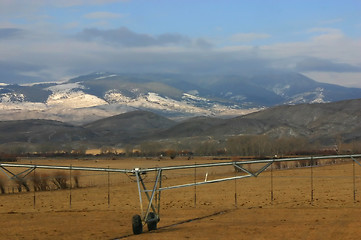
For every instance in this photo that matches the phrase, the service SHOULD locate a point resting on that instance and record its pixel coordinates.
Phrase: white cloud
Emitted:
(27, 8)
(330, 44)
(249, 37)
(103, 15)
(345, 79)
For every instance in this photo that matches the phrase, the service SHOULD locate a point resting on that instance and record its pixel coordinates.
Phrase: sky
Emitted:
(52, 40)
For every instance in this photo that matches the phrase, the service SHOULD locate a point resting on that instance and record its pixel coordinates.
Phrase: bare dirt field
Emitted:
(103, 206)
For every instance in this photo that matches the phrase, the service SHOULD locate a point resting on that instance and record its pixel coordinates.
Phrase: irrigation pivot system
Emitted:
(150, 215)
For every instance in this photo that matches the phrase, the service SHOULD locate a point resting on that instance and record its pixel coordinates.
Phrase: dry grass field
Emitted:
(98, 210)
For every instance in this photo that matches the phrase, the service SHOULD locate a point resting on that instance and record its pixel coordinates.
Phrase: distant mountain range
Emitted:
(324, 122)
(88, 98)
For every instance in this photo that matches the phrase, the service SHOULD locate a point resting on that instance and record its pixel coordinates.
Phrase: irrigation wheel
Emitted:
(152, 221)
(137, 224)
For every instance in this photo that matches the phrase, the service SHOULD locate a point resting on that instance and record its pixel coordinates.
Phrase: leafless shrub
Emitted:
(76, 176)
(303, 163)
(2, 184)
(315, 162)
(236, 169)
(21, 182)
(59, 179)
(41, 182)
(277, 165)
(284, 165)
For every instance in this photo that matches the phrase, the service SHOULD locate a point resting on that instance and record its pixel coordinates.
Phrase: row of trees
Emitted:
(245, 145)
(43, 148)
(249, 145)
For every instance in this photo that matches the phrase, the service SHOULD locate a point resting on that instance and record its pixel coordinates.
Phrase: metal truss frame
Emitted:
(153, 195)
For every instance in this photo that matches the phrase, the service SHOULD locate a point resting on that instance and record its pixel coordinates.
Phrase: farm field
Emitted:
(103, 206)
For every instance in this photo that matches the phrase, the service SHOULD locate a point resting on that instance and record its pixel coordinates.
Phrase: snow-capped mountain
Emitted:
(98, 95)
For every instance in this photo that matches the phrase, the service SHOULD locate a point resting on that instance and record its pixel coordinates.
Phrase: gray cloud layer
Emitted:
(10, 72)
(324, 65)
(6, 33)
(127, 38)
(31, 55)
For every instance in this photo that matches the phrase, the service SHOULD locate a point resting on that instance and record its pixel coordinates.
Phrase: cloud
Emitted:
(11, 4)
(249, 37)
(127, 38)
(27, 9)
(12, 72)
(202, 43)
(41, 56)
(33, 47)
(52, 59)
(6, 33)
(324, 65)
(103, 15)
(328, 43)
(85, 2)
(348, 79)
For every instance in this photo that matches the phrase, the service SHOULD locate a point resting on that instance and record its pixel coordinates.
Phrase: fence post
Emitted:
(354, 181)
(235, 188)
(271, 183)
(34, 197)
(70, 186)
(195, 186)
(108, 188)
(311, 163)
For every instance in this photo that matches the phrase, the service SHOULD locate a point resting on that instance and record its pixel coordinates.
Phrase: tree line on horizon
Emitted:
(244, 145)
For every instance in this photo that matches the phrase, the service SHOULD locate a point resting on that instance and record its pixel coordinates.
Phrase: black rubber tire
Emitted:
(137, 224)
(152, 221)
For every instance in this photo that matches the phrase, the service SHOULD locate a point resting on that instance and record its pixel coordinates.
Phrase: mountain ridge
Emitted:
(326, 123)
(179, 96)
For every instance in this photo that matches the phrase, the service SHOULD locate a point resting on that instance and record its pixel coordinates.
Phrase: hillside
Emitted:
(91, 97)
(128, 127)
(198, 126)
(324, 122)
(42, 131)
(319, 121)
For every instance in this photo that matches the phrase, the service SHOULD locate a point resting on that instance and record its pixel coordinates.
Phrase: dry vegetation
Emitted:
(239, 209)
(45, 181)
